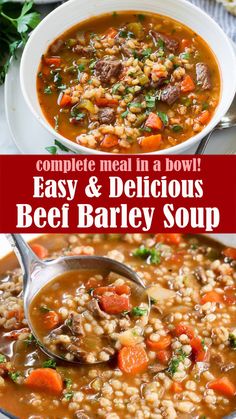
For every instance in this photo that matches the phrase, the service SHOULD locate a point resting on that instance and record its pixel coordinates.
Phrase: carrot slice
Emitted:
(66, 100)
(184, 329)
(132, 359)
(162, 343)
(18, 314)
(39, 250)
(45, 379)
(204, 117)
(171, 238)
(118, 289)
(230, 252)
(111, 32)
(50, 320)
(109, 141)
(176, 387)
(198, 351)
(150, 143)
(114, 304)
(211, 297)
(103, 101)
(187, 84)
(56, 61)
(164, 356)
(223, 386)
(154, 121)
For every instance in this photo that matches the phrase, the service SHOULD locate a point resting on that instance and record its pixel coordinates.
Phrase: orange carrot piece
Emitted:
(66, 100)
(204, 117)
(211, 297)
(150, 143)
(111, 32)
(223, 386)
(159, 73)
(154, 121)
(109, 141)
(132, 359)
(122, 289)
(56, 61)
(164, 356)
(114, 304)
(171, 238)
(230, 252)
(50, 320)
(187, 84)
(18, 314)
(39, 250)
(118, 289)
(176, 387)
(198, 350)
(45, 379)
(184, 329)
(102, 101)
(185, 43)
(163, 343)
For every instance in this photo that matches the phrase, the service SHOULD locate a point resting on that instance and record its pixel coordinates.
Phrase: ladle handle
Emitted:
(26, 257)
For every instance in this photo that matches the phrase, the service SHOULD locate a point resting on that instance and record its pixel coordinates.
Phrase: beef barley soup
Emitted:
(178, 361)
(129, 82)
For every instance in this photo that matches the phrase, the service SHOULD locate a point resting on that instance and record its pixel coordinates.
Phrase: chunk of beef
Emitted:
(57, 46)
(75, 324)
(170, 43)
(106, 116)
(157, 368)
(159, 83)
(170, 94)
(93, 306)
(203, 76)
(84, 51)
(105, 70)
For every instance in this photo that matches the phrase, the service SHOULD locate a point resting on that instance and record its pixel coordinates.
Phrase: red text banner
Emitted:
(97, 194)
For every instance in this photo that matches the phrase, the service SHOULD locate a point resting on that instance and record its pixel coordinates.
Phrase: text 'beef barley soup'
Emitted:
(176, 361)
(129, 82)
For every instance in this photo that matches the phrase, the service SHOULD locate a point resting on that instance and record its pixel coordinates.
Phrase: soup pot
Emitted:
(75, 11)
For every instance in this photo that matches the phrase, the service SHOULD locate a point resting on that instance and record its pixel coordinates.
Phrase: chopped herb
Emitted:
(185, 56)
(92, 64)
(2, 358)
(146, 129)
(174, 363)
(160, 43)
(153, 301)
(44, 309)
(177, 128)
(186, 101)
(232, 341)
(48, 90)
(61, 146)
(40, 74)
(194, 246)
(57, 79)
(124, 114)
(141, 17)
(205, 106)
(115, 88)
(69, 322)
(114, 14)
(14, 376)
(52, 149)
(123, 34)
(150, 101)
(135, 104)
(139, 312)
(152, 255)
(62, 87)
(147, 52)
(81, 67)
(69, 395)
(164, 117)
(76, 114)
(30, 339)
(68, 382)
(50, 363)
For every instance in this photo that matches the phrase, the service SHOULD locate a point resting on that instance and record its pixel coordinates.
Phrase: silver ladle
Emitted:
(37, 273)
(228, 121)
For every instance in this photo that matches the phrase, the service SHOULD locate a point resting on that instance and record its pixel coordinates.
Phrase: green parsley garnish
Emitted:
(68, 396)
(48, 90)
(164, 117)
(14, 376)
(139, 312)
(44, 309)
(50, 363)
(150, 101)
(115, 88)
(124, 114)
(68, 382)
(152, 255)
(30, 339)
(147, 52)
(141, 17)
(81, 67)
(232, 341)
(177, 128)
(174, 363)
(2, 358)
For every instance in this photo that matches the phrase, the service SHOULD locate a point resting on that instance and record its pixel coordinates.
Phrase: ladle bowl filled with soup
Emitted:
(176, 360)
(131, 80)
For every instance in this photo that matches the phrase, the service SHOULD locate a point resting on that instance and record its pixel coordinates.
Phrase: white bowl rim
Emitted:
(172, 150)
